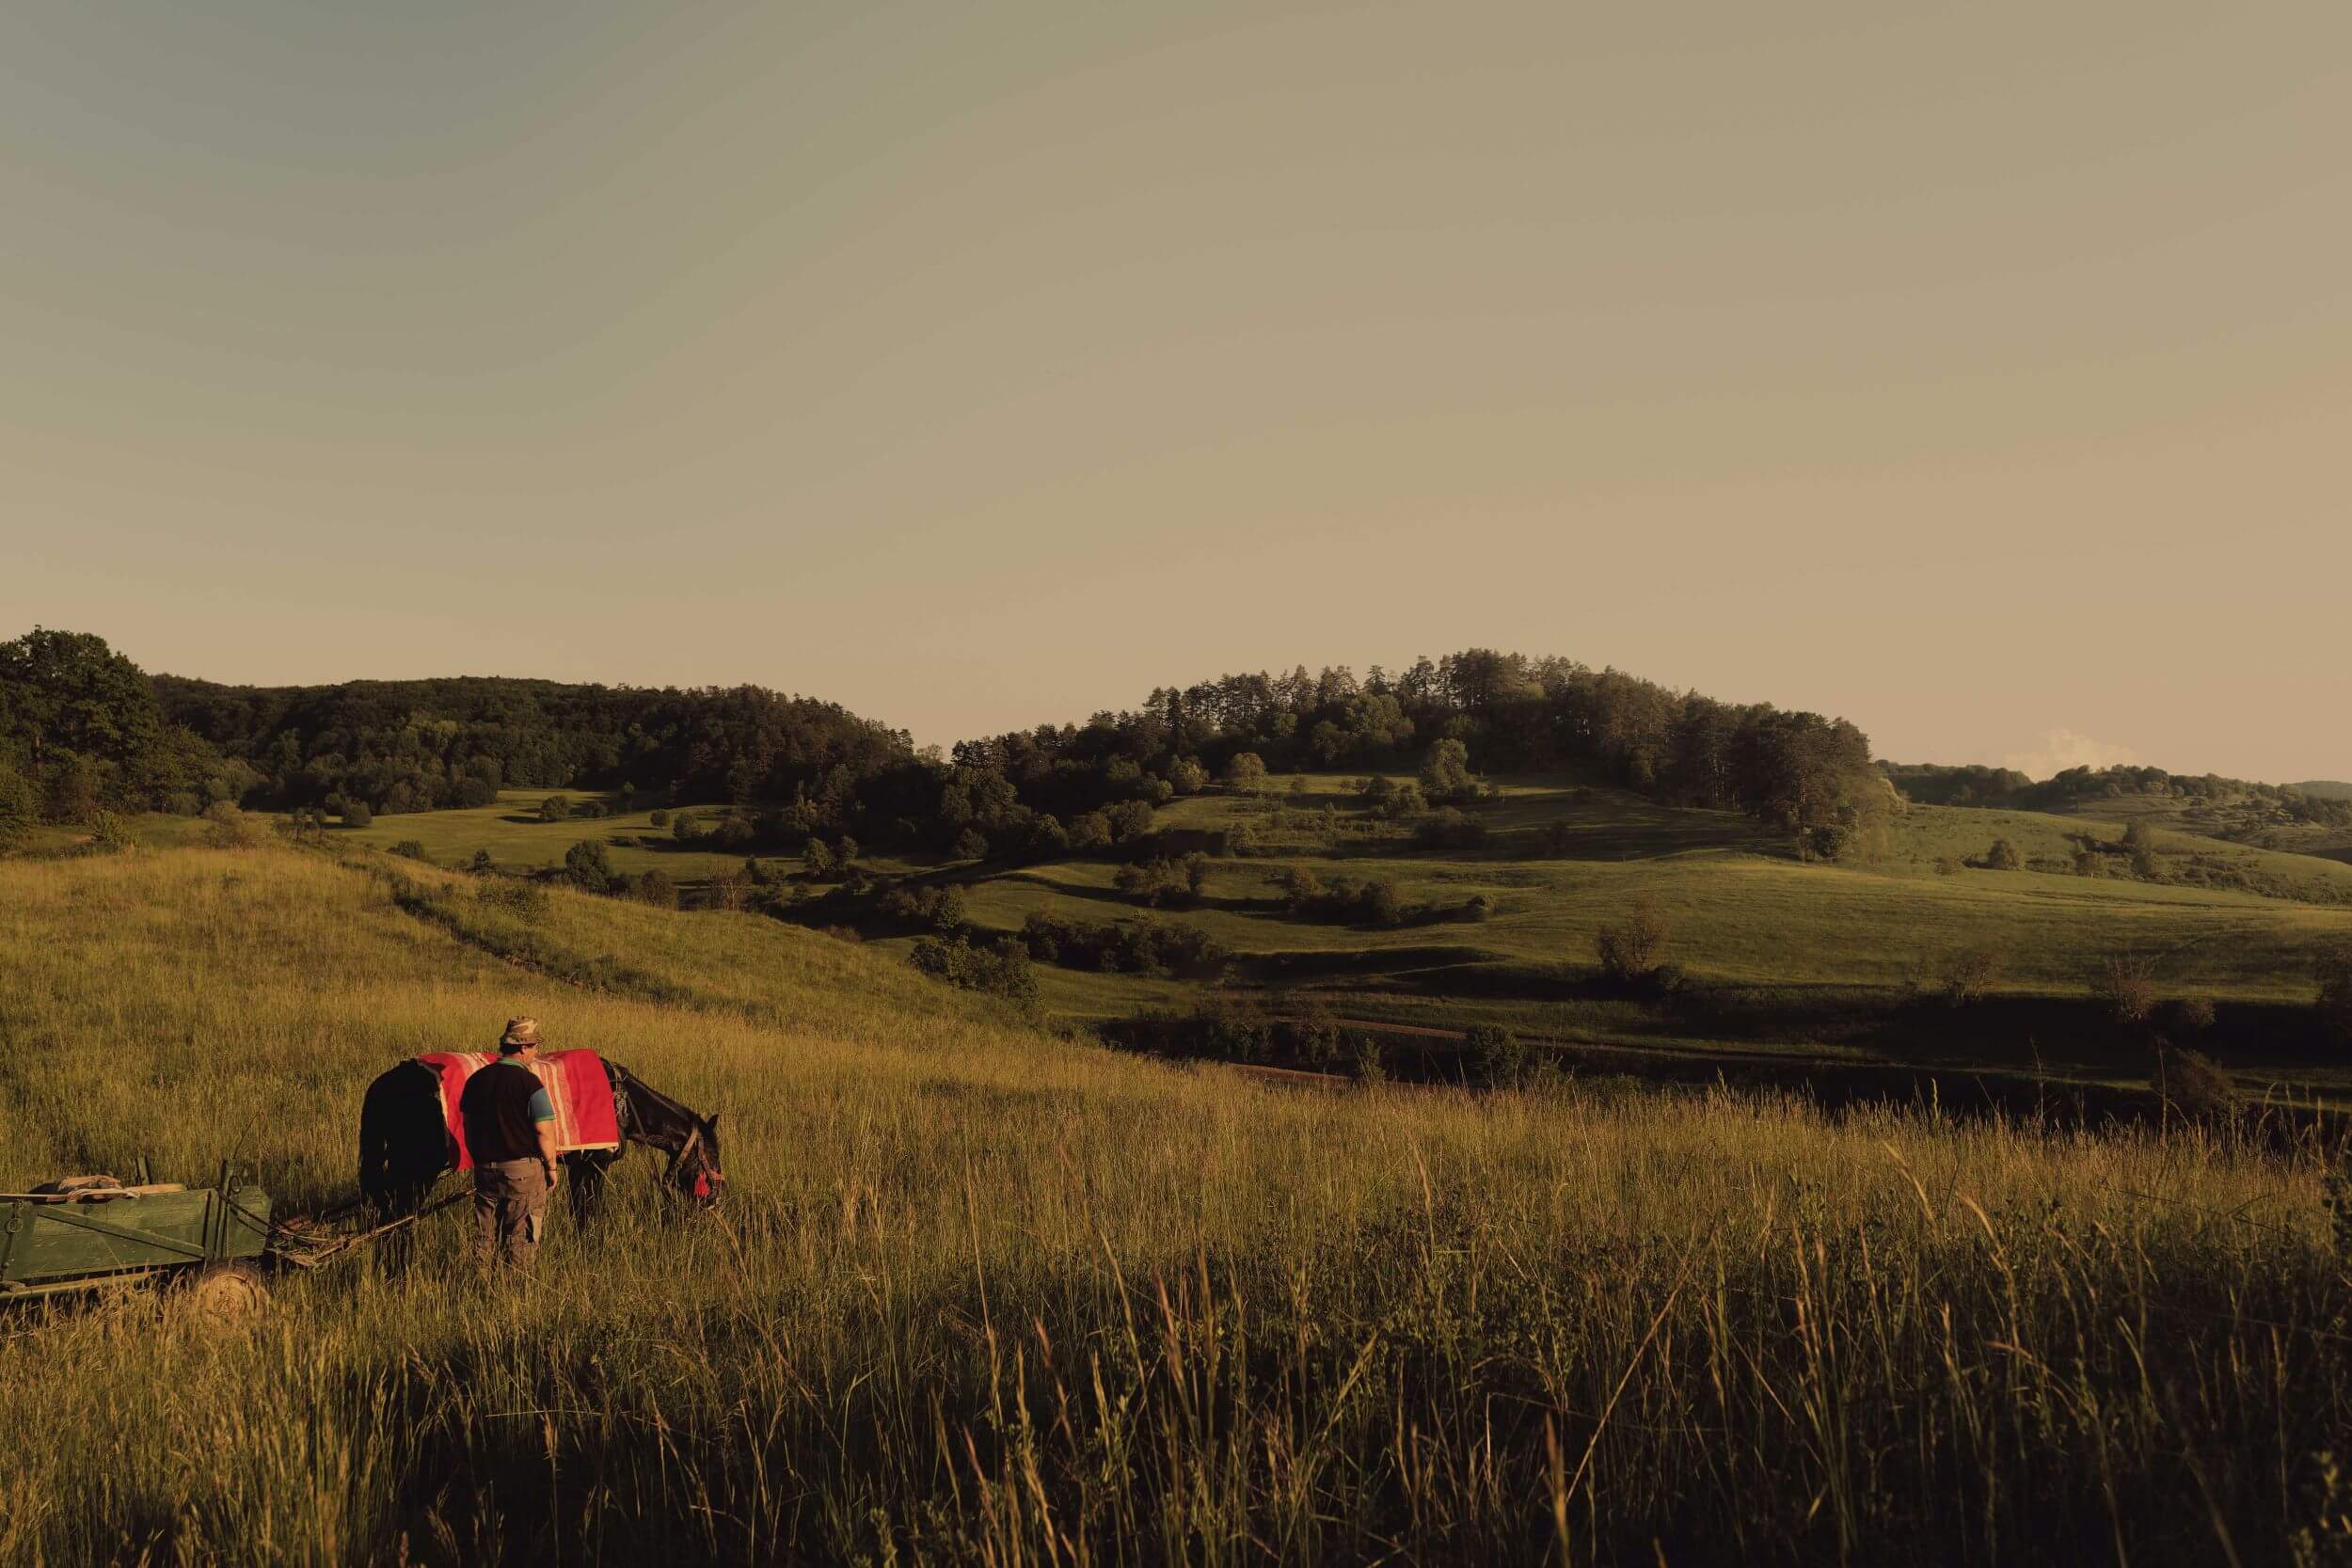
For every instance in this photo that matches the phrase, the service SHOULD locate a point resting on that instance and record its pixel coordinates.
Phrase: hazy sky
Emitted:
(1983, 373)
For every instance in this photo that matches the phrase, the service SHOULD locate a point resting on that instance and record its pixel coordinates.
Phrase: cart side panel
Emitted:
(65, 1240)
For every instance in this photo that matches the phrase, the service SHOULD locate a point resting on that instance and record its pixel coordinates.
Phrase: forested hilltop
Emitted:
(82, 731)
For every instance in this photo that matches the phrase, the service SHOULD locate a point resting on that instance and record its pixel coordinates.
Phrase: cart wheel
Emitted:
(220, 1295)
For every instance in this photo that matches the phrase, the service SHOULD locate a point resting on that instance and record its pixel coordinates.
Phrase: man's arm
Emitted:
(543, 1123)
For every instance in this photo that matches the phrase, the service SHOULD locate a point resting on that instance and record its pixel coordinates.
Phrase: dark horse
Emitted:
(405, 1144)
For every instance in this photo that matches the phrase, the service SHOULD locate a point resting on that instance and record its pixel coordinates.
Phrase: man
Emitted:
(509, 1133)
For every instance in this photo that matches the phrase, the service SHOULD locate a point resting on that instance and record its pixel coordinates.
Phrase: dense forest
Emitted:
(82, 730)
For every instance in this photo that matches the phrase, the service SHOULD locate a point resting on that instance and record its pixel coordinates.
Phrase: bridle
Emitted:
(707, 1175)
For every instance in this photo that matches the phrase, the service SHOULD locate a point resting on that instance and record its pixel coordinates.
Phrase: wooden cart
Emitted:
(207, 1245)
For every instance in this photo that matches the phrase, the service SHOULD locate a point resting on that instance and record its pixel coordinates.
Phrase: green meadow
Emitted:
(1847, 961)
(982, 1294)
(517, 840)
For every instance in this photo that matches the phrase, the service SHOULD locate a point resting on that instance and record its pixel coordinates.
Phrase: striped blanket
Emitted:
(576, 1083)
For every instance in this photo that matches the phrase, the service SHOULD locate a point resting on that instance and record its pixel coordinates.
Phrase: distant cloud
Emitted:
(2064, 748)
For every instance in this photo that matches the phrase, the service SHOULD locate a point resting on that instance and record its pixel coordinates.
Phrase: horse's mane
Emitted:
(637, 1088)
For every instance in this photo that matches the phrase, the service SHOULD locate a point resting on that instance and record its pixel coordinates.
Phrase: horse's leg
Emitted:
(583, 1173)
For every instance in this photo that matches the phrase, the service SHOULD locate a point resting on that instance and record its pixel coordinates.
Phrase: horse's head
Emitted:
(695, 1169)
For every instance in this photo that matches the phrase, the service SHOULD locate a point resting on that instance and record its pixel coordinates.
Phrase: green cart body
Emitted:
(82, 1241)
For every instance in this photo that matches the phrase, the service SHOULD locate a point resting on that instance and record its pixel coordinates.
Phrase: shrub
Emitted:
(728, 890)
(655, 887)
(1130, 819)
(1315, 1036)
(355, 814)
(2194, 1085)
(1186, 776)
(409, 849)
(1048, 839)
(684, 828)
(1500, 1057)
(1479, 908)
(1404, 800)
(2003, 856)
(527, 899)
(1089, 831)
(1232, 1031)
(588, 867)
(226, 828)
(926, 909)
(817, 859)
(1196, 868)
(1366, 1062)
(1141, 947)
(1002, 969)
(1156, 881)
(1968, 975)
(1246, 772)
(482, 864)
(1948, 865)
(1630, 952)
(2128, 986)
(972, 845)
(111, 835)
(659, 819)
(1343, 899)
(1445, 775)
(554, 809)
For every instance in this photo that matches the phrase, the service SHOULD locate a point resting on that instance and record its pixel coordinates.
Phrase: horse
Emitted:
(405, 1142)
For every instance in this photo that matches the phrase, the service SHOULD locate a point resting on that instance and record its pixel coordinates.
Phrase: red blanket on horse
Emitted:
(576, 1083)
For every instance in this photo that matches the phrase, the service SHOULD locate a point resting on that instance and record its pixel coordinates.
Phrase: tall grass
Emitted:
(982, 1296)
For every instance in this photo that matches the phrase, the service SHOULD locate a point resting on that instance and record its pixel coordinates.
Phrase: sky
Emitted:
(1981, 373)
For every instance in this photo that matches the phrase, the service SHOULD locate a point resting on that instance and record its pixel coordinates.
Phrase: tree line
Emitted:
(82, 730)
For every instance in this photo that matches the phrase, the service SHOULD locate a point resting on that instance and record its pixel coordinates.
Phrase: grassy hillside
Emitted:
(2239, 825)
(517, 840)
(982, 1296)
(1842, 962)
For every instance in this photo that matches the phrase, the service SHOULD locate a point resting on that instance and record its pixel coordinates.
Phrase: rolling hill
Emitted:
(1836, 965)
(980, 1294)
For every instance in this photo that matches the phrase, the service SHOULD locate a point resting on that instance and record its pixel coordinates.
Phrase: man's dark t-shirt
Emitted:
(500, 1108)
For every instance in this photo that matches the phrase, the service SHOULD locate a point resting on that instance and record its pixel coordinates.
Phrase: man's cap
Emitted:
(520, 1033)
